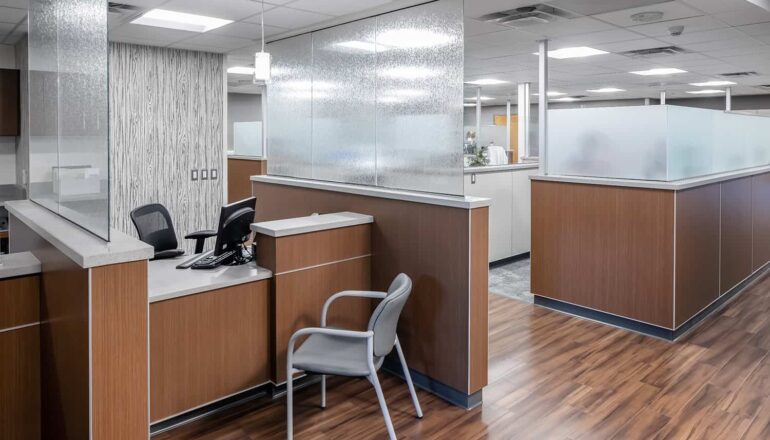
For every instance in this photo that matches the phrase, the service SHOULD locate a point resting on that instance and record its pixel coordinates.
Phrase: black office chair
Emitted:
(154, 226)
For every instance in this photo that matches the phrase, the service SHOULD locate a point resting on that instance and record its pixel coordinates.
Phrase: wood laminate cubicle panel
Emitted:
(606, 248)
(430, 243)
(761, 220)
(479, 303)
(697, 250)
(239, 172)
(736, 232)
(20, 358)
(207, 346)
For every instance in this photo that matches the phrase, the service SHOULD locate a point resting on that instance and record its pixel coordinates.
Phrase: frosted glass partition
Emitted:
(382, 101)
(654, 142)
(68, 110)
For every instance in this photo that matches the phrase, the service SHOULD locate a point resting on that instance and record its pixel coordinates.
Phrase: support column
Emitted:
(543, 108)
(729, 99)
(523, 109)
(663, 97)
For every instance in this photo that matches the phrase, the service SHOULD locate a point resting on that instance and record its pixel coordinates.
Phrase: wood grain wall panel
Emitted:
(207, 346)
(20, 384)
(19, 301)
(306, 250)
(424, 241)
(302, 296)
(238, 173)
(479, 302)
(697, 250)
(605, 248)
(119, 351)
(166, 118)
(736, 232)
(761, 220)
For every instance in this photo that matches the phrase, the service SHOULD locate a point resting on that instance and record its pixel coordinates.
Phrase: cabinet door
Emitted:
(498, 187)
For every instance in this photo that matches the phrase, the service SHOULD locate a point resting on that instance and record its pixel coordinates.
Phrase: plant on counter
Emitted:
(479, 158)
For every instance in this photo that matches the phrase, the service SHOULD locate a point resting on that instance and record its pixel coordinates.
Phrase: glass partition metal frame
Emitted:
(68, 111)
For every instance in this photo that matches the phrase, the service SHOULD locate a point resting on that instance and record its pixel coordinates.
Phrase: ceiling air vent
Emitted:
(654, 52)
(738, 74)
(528, 16)
(120, 8)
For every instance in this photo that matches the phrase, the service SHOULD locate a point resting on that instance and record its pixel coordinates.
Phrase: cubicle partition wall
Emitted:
(68, 128)
(374, 102)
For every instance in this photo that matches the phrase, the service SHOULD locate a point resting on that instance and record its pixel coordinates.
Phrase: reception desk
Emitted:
(656, 257)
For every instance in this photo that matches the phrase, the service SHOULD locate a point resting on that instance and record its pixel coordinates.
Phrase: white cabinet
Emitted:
(509, 213)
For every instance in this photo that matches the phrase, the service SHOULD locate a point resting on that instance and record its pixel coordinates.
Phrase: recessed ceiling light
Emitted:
(715, 83)
(241, 70)
(483, 98)
(552, 93)
(565, 99)
(606, 90)
(180, 21)
(573, 52)
(487, 82)
(659, 71)
(704, 91)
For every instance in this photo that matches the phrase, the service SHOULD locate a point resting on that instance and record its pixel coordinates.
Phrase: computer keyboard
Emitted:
(212, 261)
(190, 261)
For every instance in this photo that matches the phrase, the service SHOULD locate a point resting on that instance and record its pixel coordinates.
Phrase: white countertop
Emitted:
(167, 282)
(84, 248)
(498, 168)
(675, 185)
(18, 264)
(312, 223)
(239, 157)
(465, 202)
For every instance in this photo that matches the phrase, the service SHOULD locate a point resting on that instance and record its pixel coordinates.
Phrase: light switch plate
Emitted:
(213, 174)
(194, 175)
(204, 174)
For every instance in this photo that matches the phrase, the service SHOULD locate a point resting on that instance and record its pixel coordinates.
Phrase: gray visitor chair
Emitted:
(332, 351)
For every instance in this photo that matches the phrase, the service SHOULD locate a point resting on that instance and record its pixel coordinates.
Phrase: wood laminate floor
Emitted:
(557, 377)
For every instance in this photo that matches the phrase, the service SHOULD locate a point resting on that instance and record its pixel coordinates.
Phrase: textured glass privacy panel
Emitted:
(344, 62)
(68, 110)
(618, 142)
(289, 104)
(83, 178)
(420, 98)
(43, 101)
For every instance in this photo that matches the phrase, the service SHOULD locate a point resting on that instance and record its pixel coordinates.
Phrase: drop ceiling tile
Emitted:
(476, 27)
(642, 43)
(710, 46)
(290, 18)
(477, 8)
(508, 37)
(12, 15)
(218, 41)
(197, 47)
(593, 7)
(715, 6)
(702, 37)
(246, 52)
(670, 10)
(574, 26)
(161, 35)
(337, 7)
(755, 29)
(693, 24)
(744, 16)
(241, 29)
(145, 4)
(229, 9)
(592, 38)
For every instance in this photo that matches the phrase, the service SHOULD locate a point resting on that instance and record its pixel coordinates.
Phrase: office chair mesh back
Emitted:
(384, 320)
(154, 226)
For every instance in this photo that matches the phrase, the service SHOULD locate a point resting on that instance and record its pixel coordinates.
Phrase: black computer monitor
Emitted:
(234, 226)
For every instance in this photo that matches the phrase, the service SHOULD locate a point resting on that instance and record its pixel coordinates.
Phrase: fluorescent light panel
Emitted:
(487, 82)
(573, 52)
(715, 83)
(552, 93)
(606, 90)
(705, 91)
(565, 99)
(483, 98)
(180, 21)
(659, 71)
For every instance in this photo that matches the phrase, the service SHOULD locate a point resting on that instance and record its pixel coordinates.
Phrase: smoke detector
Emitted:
(647, 17)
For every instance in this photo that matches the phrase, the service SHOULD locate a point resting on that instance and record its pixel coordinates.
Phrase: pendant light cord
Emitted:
(262, 24)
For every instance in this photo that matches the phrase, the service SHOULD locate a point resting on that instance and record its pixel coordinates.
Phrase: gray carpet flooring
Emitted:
(511, 280)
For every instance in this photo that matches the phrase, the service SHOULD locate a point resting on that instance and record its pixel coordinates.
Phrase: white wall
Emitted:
(7, 160)
(7, 57)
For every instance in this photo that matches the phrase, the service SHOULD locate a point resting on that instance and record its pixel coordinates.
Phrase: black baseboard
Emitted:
(509, 260)
(649, 329)
(451, 395)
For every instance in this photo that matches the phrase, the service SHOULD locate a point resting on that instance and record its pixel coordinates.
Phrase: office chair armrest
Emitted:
(200, 234)
(328, 331)
(349, 293)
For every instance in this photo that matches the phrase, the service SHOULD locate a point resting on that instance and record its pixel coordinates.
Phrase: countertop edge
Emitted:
(21, 264)
(121, 249)
(464, 202)
(239, 157)
(501, 168)
(359, 219)
(677, 185)
(264, 274)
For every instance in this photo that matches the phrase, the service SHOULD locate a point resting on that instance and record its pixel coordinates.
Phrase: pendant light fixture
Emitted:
(262, 58)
